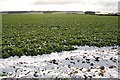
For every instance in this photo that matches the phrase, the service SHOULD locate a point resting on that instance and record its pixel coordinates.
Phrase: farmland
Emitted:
(37, 34)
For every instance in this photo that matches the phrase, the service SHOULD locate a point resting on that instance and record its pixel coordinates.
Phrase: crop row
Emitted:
(33, 34)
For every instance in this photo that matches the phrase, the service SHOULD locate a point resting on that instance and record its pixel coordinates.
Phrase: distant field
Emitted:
(33, 34)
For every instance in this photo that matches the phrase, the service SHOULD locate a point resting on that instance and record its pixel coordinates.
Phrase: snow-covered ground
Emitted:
(92, 62)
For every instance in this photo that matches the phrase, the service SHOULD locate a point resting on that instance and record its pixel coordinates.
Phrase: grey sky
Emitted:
(62, 5)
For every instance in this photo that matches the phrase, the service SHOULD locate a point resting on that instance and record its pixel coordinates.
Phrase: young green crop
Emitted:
(33, 34)
(2, 75)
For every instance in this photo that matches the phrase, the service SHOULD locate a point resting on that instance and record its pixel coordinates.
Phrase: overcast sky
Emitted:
(60, 5)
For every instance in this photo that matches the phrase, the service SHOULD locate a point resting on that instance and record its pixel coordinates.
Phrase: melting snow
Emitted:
(91, 62)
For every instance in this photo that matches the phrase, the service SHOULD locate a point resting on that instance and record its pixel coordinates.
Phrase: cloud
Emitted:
(100, 5)
(119, 6)
(107, 3)
(55, 2)
(111, 6)
(73, 5)
(92, 2)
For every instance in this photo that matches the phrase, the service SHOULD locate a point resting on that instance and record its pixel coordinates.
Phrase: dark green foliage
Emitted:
(5, 55)
(33, 34)
(1, 75)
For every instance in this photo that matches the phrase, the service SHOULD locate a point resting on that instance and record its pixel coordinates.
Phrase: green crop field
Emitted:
(33, 34)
